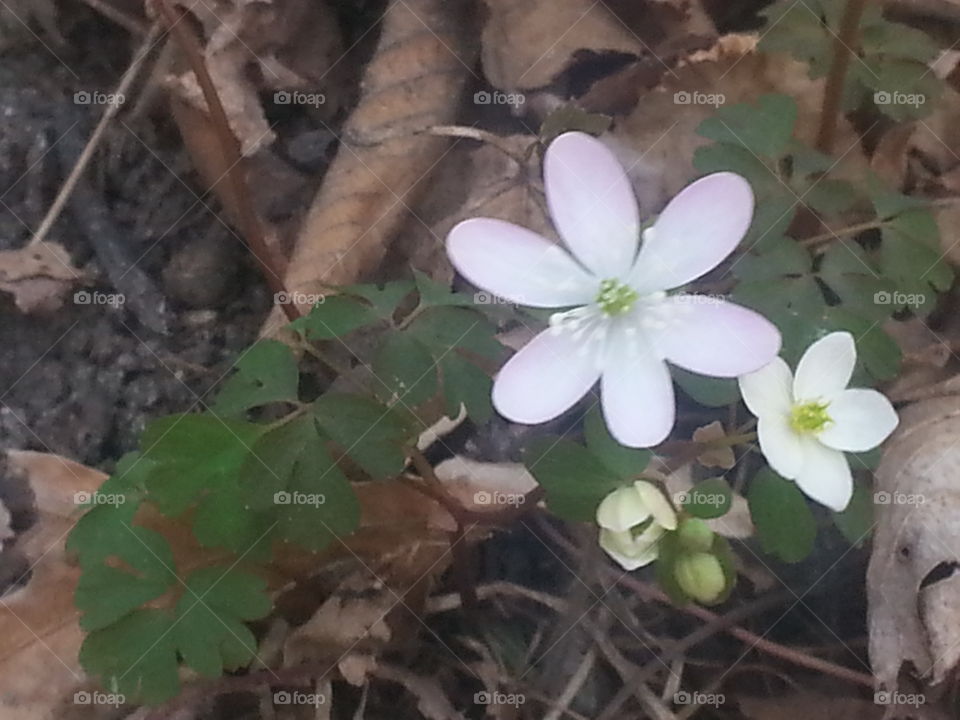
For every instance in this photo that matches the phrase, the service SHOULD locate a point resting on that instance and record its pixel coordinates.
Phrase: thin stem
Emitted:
(844, 46)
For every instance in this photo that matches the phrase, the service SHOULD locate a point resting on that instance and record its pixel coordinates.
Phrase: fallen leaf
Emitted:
(721, 457)
(38, 276)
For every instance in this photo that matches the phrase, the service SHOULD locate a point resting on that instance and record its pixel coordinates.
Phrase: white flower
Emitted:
(632, 520)
(806, 423)
(624, 325)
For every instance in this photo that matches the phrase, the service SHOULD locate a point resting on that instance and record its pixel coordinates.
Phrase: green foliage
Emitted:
(708, 499)
(266, 373)
(785, 526)
(891, 69)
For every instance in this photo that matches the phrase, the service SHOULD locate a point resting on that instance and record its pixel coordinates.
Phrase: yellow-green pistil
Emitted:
(809, 417)
(615, 298)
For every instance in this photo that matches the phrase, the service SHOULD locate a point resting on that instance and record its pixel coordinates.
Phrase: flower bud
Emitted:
(694, 534)
(700, 575)
(632, 520)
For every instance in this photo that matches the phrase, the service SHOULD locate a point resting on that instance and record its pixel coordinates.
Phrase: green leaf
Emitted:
(856, 522)
(784, 523)
(225, 519)
(137, 655)
(266, 373)
(442, 329)
(434, 294)
(626, 463)
(373, 435)
(464, 382)
(708, 499)
(709, 391)
(764, 128)
(405, 369)
(193, 454)
(336, 316)
(575, 479)
(385, 299)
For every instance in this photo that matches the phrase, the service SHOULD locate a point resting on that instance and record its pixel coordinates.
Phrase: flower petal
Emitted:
(629, 552)
(592, 203)
(697, 229)
(825, 368)
(825, 476)
(636, 392)
(716, 338)
(780, 445)
(518, 265)
(768, 390)
(622, 509)
(544, 379)
(657, 504)
(862, 419)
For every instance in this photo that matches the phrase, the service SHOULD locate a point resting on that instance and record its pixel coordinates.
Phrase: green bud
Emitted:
(694, 534)
(700, 576)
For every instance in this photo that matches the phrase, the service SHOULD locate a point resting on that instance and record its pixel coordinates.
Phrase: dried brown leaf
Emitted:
(38, 276)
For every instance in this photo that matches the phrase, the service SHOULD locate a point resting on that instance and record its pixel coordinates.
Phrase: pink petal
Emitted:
(592, 203)
(696, 230)
(637, 393)
(715, 337)
(546, 378)
(518, 265)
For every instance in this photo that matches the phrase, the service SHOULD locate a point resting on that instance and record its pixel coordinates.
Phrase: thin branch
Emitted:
(844, 46)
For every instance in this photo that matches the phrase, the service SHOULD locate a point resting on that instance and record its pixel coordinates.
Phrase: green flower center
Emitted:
(615, 298)
(811, 417)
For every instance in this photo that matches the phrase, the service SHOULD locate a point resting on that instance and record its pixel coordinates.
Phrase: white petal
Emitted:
(622, 509)
(695, 232)
(715, 338)
(862, 419)
(636, 392)
(592, 203)
(518, 265)
(780, 445)
(657, 504)
(825, 476)
(544, 379)
(768, 390)
(825, 368)
(631, 553)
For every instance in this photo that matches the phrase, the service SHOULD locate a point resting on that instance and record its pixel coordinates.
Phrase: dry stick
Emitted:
(247, 216)
(128, 22)
(126, 82)
(783, 652)
(844, 45)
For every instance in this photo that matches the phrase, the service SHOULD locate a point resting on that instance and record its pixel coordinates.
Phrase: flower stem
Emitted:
(844, 46)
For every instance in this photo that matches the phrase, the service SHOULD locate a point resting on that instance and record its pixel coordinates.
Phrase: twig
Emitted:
(128, 22)
(70, 184)
(472, 133)
(844, 46)
(576, 682)
(247, 216)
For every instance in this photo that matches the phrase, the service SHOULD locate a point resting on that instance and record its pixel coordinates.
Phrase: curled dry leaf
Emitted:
(527, 43)
(719, 457)
(39, 630)
(38, 276)
(913, 589)
(412, 82)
